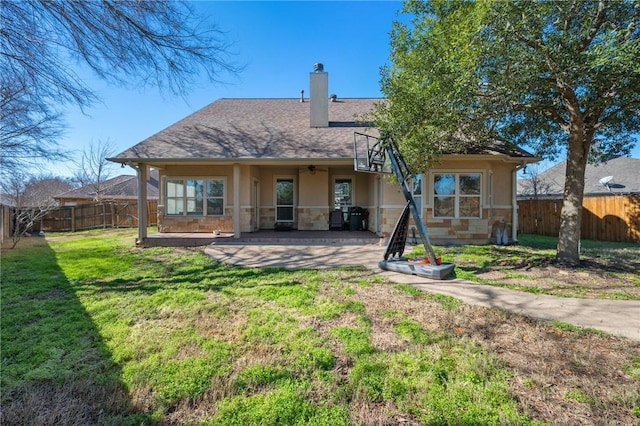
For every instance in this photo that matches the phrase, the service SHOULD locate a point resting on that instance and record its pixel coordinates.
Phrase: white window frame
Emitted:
(456, 196)
(185, 198)
(295, 197)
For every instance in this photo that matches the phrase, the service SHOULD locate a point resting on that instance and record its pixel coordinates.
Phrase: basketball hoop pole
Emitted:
(384, 157)
(403, 174)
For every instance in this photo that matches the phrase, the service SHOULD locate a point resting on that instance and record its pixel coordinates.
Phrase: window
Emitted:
(195, 197)
(416, 191)
(284, 200)
(343, 194)
(456, 195)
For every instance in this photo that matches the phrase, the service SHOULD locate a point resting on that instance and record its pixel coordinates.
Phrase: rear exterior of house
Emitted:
(244, 165)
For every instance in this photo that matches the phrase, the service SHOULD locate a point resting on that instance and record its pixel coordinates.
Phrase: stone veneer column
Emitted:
(236, 201)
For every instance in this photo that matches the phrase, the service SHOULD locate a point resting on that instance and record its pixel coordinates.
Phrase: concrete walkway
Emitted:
(617, 317)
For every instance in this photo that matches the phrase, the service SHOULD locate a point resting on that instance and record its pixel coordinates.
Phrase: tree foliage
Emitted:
(127, 42)
(555, 76)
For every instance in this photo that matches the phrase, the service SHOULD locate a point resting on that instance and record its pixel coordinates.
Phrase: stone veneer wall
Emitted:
(453, 231)
(267, 218)
(195, 223)
(246, 219)
(313, 219)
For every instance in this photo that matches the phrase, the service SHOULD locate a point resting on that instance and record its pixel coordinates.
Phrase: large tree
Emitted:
(561, 77)
(132, 43)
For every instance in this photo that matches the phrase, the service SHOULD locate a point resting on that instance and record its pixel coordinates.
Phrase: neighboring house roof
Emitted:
(624, 173)
(265, 129)
(119, 187)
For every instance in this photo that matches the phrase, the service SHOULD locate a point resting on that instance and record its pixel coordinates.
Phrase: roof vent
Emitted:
(318, 67)
(302, 95)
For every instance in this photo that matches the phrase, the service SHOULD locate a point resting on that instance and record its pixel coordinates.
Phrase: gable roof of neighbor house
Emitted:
(624, 172)
(265, 129)
(117, 188)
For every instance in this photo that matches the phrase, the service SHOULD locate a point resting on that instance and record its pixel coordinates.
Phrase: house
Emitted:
(123, 188)
(618, 176)
(244, 165)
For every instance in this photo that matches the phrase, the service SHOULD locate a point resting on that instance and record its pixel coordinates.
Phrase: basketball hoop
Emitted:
(369, 155)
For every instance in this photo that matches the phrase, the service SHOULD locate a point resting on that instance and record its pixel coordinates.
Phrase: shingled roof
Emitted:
(255, 129)
(624, 173)
(265, 129)
(117, 188)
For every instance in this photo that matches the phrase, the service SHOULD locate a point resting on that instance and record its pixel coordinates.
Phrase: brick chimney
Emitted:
(319, 82)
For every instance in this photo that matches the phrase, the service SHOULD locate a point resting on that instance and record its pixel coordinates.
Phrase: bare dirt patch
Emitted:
(558, 376)
(594, 279)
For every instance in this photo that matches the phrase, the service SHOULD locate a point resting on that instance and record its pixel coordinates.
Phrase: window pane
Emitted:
(469, 206)
(470, 184)
(215, 188)
(175, 188)
(195, 206)
(444, 207)
(284, 214)
(195, 188)
(417, 185)
(174, 205)
(418, 201)
(342, 192)
(284, 191)
(215, 207)
(444, 184)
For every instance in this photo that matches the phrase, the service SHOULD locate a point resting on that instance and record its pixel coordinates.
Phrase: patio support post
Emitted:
(236, 201)
(143, 171)
(514, 201)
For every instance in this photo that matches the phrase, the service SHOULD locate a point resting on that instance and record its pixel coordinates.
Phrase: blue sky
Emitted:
(277, 42)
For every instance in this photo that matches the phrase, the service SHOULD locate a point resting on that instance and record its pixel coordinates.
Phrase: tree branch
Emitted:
(610, 116)
(597, 21)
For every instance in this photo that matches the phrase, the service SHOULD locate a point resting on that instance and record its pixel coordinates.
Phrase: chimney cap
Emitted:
(318, 67)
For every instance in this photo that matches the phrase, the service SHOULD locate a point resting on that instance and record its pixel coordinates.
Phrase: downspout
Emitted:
(141, 171)
(236, 201)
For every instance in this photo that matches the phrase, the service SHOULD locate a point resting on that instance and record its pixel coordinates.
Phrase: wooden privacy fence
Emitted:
(97, 215)
(604, 218)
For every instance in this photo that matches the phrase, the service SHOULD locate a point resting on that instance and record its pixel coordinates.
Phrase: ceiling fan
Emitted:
(311, 169)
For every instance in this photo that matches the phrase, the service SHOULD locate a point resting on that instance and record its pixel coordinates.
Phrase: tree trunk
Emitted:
(571, 213)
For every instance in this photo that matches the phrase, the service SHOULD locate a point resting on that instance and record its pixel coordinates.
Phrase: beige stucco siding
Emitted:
(496, 203)
(314, 199)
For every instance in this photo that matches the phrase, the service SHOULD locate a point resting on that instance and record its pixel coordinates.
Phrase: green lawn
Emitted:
(95, 331)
